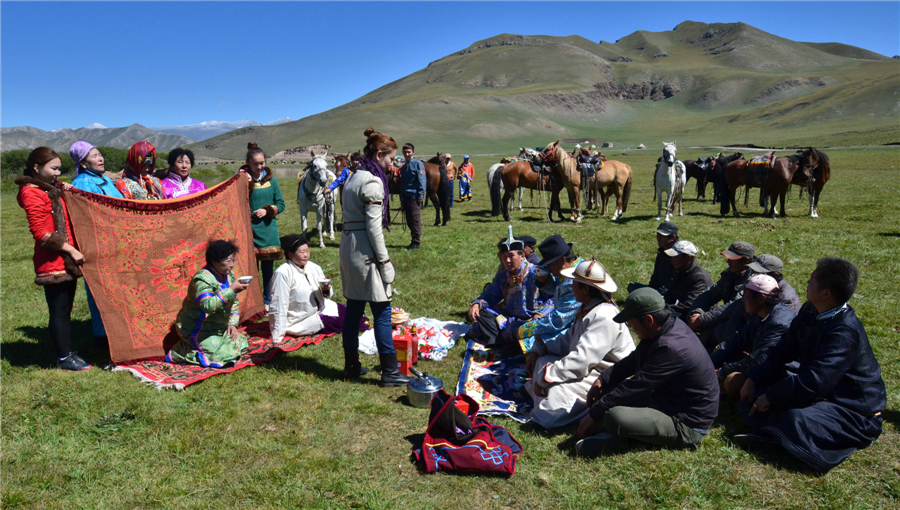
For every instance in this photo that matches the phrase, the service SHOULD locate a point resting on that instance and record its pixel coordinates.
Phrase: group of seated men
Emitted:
(804, 377)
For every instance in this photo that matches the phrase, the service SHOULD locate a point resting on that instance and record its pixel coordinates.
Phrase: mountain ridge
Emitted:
(27, 137)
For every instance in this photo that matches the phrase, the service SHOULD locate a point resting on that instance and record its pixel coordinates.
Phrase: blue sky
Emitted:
(71, 64)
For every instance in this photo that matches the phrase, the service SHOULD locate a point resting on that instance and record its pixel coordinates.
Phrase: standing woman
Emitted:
(265, 203)
(90, 176)
(56, 261)
(366, 269)
(137, 182)
(177, 179)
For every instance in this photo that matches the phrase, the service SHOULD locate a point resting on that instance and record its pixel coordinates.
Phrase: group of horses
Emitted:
(553, 169)
(808, 168)
(597, 177)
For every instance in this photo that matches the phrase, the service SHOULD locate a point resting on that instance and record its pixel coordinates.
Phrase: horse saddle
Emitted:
(766, 160)
(509, 159)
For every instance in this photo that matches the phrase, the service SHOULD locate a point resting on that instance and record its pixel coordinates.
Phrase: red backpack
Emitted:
(462, 441)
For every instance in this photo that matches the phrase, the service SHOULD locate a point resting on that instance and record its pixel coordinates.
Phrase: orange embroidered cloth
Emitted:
(141, 255)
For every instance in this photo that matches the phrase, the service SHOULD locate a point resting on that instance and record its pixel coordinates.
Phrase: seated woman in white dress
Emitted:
(564, 370)
(300, 296)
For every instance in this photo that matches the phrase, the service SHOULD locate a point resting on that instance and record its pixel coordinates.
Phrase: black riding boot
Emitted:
(353, 369)
(390, 374)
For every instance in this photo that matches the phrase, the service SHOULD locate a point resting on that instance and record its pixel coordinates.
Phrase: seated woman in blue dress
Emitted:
(833, 405)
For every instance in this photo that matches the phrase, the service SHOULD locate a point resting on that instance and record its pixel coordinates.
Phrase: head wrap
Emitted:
(510, 243)
(78, 151)
(138, 154)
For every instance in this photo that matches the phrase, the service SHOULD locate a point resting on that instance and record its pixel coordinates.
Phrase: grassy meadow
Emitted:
(290, 434)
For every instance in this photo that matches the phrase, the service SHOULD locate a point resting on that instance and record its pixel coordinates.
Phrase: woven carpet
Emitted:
(162, 375)
(141, 255)
(495, 383)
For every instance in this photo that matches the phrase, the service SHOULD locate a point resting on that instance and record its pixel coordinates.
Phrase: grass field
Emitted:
(290, 434)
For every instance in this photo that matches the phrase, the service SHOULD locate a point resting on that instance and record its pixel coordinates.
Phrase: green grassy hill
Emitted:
(720, 83)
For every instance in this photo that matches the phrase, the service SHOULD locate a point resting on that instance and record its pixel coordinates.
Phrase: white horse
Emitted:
(670, 178)
(490, 179)
(311, 196)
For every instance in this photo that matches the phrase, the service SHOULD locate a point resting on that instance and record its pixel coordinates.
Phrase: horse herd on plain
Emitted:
(596, 177)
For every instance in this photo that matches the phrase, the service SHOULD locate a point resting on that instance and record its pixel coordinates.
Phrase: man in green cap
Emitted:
(664, 393)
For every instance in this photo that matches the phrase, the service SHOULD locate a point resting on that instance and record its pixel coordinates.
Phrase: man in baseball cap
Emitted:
(689, 280)
(666, 236)
(769, 319)
(712, 322)
(772, 266)
(670, 371)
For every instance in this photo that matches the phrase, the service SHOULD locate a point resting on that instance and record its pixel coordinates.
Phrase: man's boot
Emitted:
(353, 369)
(390, 374)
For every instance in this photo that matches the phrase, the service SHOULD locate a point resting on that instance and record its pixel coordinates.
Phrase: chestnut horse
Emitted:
(774, 185)
(820, 169)
(614, 178)
(438, 187)
(518, 174)
(566, 166)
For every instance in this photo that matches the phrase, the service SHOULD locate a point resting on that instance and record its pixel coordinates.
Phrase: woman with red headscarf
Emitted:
(137, 183)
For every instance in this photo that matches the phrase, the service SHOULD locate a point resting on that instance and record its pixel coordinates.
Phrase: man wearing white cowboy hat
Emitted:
(563, 371)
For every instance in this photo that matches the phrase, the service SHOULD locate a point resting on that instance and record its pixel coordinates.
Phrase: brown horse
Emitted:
(613, 179)
(567, 167)
(433, 186)
(518, 174)
(438, 187)
(773, 184)
(820, 170)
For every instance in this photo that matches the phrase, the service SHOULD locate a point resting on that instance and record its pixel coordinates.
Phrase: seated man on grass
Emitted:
(563, 371)
(664, 393)
(558, 255)
(689, 280)
(833, 405)
(769, 319)
(706, 318)
(666, 237)
(514, 288)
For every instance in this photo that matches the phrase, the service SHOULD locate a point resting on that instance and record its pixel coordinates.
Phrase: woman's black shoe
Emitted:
(73, 363)
(354, 371)
(390, 374)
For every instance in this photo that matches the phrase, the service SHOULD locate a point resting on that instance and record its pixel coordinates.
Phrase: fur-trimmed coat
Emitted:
(48, 220)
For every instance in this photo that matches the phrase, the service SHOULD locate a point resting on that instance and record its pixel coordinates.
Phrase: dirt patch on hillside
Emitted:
(790, 88)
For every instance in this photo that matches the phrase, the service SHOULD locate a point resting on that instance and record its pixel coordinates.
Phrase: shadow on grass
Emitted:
(626, 219)
(23, 353)
(891, 416)
(889, 234)
(284, 363)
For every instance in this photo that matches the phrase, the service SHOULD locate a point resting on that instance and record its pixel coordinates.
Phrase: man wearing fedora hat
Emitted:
(563, 371)
(666, 237)
(557, 256)
(689, 280)
(514, 286)
(664, 393)
(711, 321)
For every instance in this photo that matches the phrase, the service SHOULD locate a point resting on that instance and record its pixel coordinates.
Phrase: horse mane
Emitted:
(437, 161)
(823, 158)
(795, 159)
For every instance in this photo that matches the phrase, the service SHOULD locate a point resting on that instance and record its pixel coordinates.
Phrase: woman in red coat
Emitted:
(56, 261)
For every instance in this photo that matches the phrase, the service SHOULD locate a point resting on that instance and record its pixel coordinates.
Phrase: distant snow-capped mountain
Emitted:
(212, 128)
(27, 137)
(96, 125)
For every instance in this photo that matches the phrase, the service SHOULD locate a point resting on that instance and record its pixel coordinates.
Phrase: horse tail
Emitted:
(626, 193)
(496, 184)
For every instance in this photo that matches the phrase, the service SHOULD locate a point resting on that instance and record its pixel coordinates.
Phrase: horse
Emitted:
(519, 174)
(717, 176)
(567, 168)
(774, 184)
(311, 196)
(699, 170)
(808, 168)
(613, 178)
(669, 179)
(490, 178)
(821, 173)
(438, 188)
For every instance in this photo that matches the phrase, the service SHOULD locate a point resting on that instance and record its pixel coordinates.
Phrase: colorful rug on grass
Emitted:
(495, 383)
(163, 375)
(141, 255)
